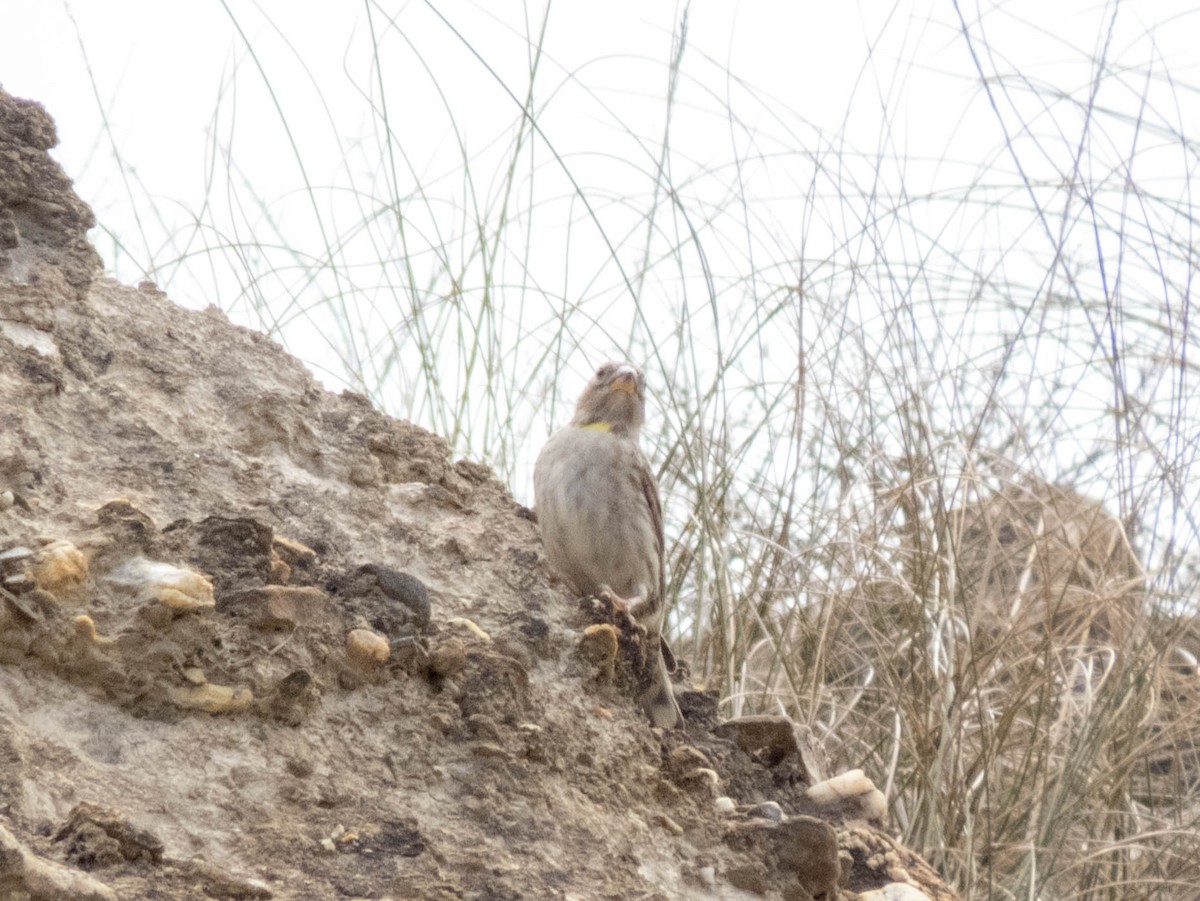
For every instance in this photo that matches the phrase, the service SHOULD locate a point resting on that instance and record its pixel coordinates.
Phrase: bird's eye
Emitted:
(604, 371)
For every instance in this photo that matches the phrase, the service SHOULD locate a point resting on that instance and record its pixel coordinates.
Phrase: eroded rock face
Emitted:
(258, 640)
(44, 250)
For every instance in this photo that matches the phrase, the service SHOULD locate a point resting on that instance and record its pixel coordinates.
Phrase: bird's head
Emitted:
(613, 401)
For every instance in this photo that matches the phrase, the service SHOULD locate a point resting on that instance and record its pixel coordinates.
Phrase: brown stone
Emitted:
(771, 740)
(96, 835)
(276, 606)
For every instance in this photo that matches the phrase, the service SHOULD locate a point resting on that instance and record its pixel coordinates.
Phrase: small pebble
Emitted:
(191, 592)
(85, 630)
(463, 623)
(211, 698)
(686, 758)
(725, 805)
(669, 824)
(293, 552)
(176, 588)
(852, 787)
(276, 606)
(59, 567)
(448, 658)
(598, 646)
(702, 777)
(488, 749)
(19, 583)
(767, 810)
(14, 555)
(367, 649)
(707, 875)
(405, 589)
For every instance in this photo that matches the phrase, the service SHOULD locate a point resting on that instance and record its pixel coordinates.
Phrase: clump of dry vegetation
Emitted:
(1031, 702)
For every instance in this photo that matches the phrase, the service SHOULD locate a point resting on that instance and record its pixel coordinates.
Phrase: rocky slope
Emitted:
(258, 640)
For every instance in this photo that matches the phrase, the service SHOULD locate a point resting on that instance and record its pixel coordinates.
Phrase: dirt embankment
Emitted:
(258, 640)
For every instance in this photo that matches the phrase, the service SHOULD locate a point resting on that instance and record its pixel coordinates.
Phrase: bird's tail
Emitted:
(658, 700)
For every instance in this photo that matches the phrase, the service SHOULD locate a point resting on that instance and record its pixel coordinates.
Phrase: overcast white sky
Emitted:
(160, 71)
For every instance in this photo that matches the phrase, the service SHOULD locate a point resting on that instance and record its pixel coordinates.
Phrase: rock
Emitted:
(808, 848)
(276, 606)
(13, 557)
(725, 805)
(59, 568)
(24, 875)
(484, 728)
(537, 635)
(489, 749)
(19, 583)
(410, 655)
(237, 550)
(699, 707)
(461, 622)
(879, 861)
(598, 646)
(85, 631)
(689, 768)
(129, 530)
(392, 603)
(702, 780)
(211, 698)
(771, 740)
(178, 589)
(45, 222)
(669, 824)
(367, 650)
(98, 836)
(494, 685)
(292, 699)
(794, 852)
(767, 810)
(293, 553)
(846, 796)
(288, 555)
(406, 590)
(749, 877)
(447, 658)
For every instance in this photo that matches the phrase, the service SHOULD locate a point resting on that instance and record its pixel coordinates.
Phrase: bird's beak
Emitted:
(625, 381)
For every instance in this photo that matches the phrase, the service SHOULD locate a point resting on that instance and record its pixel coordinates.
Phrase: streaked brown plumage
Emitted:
(600, 516)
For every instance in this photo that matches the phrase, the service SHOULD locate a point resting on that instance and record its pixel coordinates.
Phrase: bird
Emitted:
(600, 516)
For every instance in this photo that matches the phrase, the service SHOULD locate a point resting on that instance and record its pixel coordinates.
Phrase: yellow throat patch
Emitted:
(598, 426)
